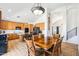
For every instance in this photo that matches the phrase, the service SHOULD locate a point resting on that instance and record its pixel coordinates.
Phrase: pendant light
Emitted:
(38, 9)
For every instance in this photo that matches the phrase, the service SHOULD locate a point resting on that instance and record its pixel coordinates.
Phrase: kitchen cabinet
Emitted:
(40, 25)
(3, 25)
(31, 27)
(21, 25)
(9, 25)
(26, 25)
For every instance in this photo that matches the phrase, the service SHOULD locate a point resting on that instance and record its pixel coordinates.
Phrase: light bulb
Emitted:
(38, 12)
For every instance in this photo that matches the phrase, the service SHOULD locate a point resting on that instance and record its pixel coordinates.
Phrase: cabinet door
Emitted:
(11, 26)
(22, 26)
(3, 25)
(41, 25)
(31, 27)
(25, 26)
(17, 24)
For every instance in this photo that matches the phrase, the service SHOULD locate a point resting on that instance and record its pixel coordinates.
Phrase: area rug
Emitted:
(69, 49)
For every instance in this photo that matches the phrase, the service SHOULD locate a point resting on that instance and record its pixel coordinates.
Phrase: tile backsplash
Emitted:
(14, 31)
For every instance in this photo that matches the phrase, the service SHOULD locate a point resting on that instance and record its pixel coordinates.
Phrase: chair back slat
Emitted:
(57, 46)
(30, 47)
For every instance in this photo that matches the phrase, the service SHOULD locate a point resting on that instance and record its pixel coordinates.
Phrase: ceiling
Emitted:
(22, 11)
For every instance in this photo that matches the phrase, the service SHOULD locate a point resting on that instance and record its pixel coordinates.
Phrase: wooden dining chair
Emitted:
(56, 36)
(41, 35)
(39, 50)
(57, 48)
(30, 47)
(54, 50)
(35, 37)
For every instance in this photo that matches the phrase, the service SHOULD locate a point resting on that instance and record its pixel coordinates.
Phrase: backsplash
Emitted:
(12, 31)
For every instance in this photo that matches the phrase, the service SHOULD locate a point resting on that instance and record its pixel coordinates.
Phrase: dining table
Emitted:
(42, 44)
(45, 45)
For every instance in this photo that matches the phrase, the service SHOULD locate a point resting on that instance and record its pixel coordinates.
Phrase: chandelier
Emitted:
(38, 9)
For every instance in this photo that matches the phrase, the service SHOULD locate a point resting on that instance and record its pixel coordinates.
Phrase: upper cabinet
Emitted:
(3, 25)
(8, 25)
(30, 27)
(11, 25)
(25, 25)
(40, 25)
(21, 25)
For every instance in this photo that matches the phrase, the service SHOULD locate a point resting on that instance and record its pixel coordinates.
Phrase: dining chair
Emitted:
(39, 50)
(35, 37)
(41, 35)
(57, 36)
(55, 49)
(30, 47)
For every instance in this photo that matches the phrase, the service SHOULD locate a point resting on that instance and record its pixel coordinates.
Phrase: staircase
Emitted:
(74, 40)
(72, 36)
(72, 33)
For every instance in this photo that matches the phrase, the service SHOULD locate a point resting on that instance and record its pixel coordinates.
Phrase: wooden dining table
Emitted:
(40, 43)
(45, 45)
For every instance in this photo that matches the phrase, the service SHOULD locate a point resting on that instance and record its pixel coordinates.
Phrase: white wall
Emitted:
(70, 17)
(73, 18)
(58, 18)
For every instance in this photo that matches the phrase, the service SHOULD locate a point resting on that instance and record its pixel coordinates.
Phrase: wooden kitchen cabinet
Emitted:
(31, 27)
(17, 24)
(3, 25)
(25, 25)
(11, 25)
(7, 25)
(20, 25)
(40, 25)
